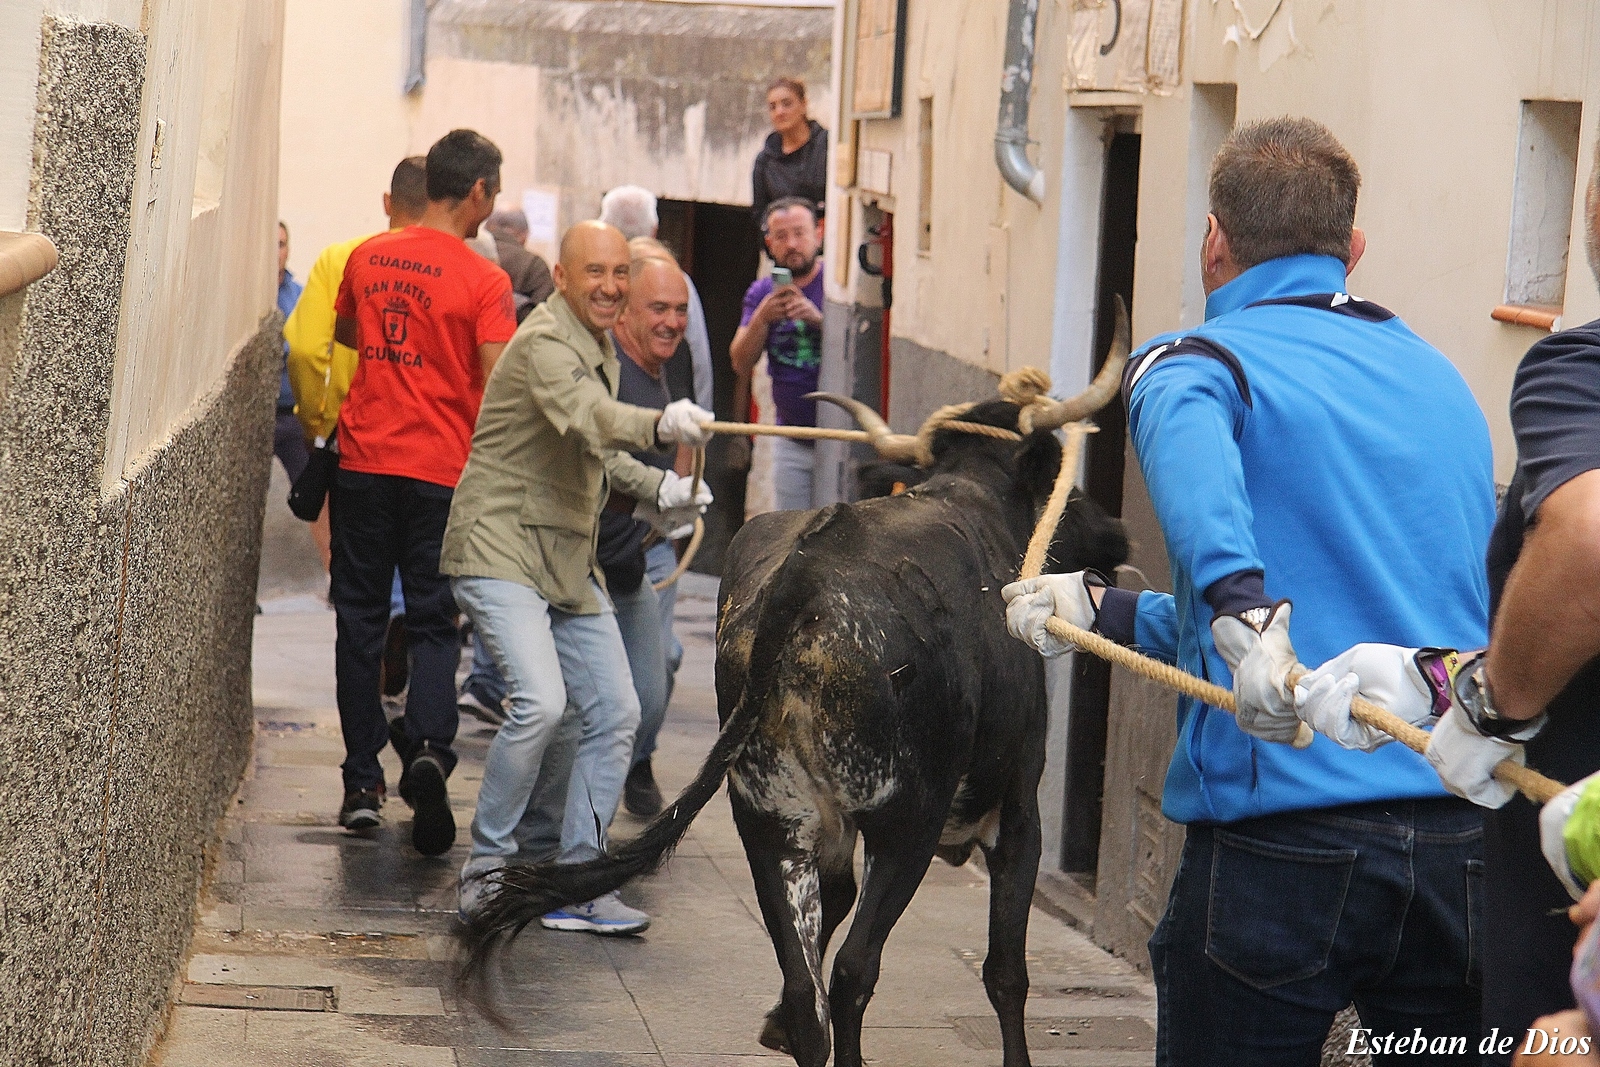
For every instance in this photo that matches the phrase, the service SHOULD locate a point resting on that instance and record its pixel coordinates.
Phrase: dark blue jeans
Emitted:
(1277, 923)
(289, 444)
(379, 523)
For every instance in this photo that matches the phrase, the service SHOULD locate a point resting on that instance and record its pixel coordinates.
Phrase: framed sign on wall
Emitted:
(880, 57)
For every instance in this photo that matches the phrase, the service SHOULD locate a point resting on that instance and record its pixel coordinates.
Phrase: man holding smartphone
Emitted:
(783, 319)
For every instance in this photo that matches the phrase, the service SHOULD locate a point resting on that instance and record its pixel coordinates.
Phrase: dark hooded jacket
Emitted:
(803, 172)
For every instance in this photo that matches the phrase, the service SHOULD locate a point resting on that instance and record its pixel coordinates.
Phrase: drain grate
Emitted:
(259, 997)
(1125, 1032)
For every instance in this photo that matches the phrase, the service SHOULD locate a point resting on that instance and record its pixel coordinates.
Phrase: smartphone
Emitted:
(782, 276)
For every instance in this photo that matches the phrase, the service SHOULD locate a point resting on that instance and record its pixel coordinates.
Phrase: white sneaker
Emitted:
(607, 916)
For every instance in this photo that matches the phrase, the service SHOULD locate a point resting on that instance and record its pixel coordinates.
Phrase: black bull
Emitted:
(866, 686)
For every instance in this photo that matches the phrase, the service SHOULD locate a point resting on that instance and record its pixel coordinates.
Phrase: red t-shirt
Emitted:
(423, 302)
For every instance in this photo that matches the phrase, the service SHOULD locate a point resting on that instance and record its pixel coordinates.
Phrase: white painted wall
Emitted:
(201, 267)
(20, 21)
(1425, 94)
(202, 258)
(344, 123)
(1083, 168)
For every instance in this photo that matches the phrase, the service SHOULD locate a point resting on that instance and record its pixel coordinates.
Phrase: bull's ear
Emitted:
(1038, 460)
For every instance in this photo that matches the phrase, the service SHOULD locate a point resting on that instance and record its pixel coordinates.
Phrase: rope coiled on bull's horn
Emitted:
(1535, 786)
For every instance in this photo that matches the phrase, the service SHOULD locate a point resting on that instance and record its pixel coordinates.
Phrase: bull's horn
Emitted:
(900, 447)
(1100, 391)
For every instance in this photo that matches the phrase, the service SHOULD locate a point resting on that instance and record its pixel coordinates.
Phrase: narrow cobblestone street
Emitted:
(321, 949)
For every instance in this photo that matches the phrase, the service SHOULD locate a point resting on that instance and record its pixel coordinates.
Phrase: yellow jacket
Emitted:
(320, 368)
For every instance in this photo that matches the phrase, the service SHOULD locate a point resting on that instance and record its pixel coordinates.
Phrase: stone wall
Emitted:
(125, 617)
(668, 96)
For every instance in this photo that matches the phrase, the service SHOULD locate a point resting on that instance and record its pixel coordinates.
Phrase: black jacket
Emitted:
(803, 172)
(1527, 944)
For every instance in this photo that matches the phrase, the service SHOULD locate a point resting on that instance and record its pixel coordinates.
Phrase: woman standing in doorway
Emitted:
(794, 161)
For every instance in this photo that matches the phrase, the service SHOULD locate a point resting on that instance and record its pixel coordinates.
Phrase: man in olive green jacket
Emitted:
(521, 547)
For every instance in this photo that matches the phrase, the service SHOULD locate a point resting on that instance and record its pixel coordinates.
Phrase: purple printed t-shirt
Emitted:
(794, 354)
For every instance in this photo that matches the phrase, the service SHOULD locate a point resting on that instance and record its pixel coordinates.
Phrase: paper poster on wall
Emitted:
(543, 208)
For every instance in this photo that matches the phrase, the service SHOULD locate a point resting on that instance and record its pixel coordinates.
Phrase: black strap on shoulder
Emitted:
(1338, 303)
(1192, 345)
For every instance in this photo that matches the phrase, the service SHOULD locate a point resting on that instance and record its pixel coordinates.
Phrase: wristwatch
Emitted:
(1460, 679)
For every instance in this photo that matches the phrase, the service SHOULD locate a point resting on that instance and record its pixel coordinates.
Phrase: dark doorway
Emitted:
(720, 247)
(1091, 680)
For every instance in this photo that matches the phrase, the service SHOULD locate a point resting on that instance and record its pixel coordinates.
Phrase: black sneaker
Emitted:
(360, 810)
(640, 794)
(433, 826)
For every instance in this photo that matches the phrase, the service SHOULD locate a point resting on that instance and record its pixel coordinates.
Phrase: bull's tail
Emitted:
(522, 894)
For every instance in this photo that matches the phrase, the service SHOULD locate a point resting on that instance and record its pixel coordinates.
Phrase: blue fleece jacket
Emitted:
(1311, 436)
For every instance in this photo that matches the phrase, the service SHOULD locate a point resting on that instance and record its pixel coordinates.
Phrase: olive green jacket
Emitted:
(544, 457)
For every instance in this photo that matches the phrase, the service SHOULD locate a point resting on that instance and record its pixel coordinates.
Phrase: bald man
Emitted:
(651, 331)
(520, 548)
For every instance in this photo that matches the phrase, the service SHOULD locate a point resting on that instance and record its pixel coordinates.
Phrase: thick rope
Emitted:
(1535, 786)
(981, 429)
(1039, 543)
(799, 433)
(688, 556)
(699, 525)
(828, 433)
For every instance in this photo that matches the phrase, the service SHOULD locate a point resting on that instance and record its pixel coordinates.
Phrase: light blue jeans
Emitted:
(793, 464)
(660, 561)
(539, 833)
(550, 658)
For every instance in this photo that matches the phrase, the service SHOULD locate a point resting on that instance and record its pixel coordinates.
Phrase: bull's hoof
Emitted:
(954, 855)
(773, 1035)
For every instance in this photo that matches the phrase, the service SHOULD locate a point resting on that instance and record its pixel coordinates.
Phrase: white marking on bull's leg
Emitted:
(803, 891)
(989, 829)
(985, 831)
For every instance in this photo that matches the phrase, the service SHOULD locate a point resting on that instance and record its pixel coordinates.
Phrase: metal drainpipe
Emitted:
(1016, 83)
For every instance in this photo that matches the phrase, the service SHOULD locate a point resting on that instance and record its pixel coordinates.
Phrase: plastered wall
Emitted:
(983, 292)
(344, 122)
(1425, 94)
(200, 275)
(1427, 97)
(579, 95)
(125, 609)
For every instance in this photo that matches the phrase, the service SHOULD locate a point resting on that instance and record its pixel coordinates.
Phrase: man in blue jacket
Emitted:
(1302, 448)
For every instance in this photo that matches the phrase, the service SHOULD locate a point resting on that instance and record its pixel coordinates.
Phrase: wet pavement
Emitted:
(315, 948)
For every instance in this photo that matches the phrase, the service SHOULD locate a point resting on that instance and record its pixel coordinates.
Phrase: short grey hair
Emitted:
(631, 209)
(511, 222)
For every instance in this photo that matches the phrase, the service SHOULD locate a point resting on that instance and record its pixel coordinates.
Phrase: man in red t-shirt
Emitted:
(428, 316)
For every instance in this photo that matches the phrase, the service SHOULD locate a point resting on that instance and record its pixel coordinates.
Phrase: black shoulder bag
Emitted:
(311, 488)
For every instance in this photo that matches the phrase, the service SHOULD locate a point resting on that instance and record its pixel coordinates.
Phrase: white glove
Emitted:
(675, 490)
(1031, 602)
(683, 421)
(1466, 760)
(1261, 659)
(1387, 675)
(1553, 834)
